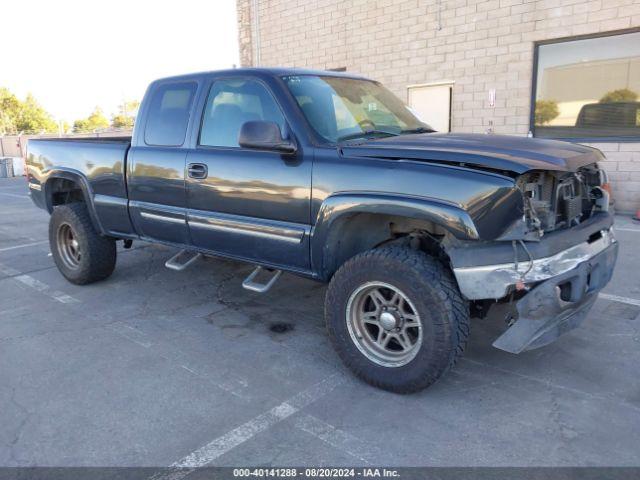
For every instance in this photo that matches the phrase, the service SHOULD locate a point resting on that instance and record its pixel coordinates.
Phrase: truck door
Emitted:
(156, 164)
(247, 203)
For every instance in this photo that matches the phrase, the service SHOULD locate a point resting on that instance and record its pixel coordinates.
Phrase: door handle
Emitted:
(197, 170)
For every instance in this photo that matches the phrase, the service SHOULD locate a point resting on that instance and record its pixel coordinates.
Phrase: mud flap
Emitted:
(558, 305)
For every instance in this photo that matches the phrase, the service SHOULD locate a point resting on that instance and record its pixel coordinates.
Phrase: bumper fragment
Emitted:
(495, 281)
(559, 304)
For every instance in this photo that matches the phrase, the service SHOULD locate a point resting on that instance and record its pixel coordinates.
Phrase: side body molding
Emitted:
(336, 210)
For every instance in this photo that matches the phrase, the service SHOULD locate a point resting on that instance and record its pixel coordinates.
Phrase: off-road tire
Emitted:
(431, 287)
(98, 253)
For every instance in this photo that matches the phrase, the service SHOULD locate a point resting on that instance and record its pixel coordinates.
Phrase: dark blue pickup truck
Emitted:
(330, 176)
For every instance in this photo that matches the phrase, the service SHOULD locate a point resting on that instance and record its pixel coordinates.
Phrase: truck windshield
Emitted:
(340, 108)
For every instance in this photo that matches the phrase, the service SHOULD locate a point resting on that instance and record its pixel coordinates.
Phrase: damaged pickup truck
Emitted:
(331, 177)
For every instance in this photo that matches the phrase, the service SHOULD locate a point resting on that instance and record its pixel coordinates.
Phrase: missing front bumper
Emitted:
(558, 304)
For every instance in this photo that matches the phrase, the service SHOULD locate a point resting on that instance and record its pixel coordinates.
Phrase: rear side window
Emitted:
(168, 115)
(231, 103)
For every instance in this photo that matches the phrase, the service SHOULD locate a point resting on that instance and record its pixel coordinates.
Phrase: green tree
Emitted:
(546, 110)
(126, 116)
(93, 122)
(620, 95)
(28, 116)
(9, 111)
(34, 118)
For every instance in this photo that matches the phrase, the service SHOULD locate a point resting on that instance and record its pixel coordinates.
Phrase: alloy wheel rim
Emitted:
(68, 246)
(384, 324)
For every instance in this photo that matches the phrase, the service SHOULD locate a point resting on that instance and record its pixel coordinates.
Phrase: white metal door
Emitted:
(432, 104)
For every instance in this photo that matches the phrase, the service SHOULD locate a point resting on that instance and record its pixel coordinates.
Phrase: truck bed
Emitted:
(98, 163)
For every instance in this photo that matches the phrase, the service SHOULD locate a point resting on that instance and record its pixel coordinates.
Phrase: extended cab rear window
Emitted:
(168, 115)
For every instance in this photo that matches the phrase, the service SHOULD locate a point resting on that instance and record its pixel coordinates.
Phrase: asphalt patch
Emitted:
(281, 327)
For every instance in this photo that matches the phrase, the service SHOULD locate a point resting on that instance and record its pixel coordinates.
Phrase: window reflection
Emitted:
(169, 114)
(231, 103)
(589, 88)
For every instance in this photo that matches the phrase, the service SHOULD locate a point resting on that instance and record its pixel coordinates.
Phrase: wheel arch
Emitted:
(351, 223)
(66, 186)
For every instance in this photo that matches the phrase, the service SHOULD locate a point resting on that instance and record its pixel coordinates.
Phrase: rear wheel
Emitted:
(396, 318)
(81, 254)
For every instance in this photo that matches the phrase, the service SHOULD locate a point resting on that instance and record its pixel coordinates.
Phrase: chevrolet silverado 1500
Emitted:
(331, 177)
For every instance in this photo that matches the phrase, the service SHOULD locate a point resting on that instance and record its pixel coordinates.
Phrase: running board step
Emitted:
(182, 260)
(250, 283)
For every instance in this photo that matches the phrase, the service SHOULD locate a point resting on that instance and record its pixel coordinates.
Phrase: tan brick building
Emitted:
(470, 64)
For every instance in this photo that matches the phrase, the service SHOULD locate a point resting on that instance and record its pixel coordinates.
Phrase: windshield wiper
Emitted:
(364, 133)
(418, 130)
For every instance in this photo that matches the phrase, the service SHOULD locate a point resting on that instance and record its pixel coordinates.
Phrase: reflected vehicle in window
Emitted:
(330, 176)
(588, 87)
(616, 115)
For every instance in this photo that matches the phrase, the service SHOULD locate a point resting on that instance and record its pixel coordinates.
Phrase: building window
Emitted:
(432, 104)
(588, 88)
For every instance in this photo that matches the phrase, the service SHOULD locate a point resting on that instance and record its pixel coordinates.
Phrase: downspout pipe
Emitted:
(256, 33)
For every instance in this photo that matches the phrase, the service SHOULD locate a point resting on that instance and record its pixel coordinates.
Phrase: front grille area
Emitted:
(569, 198)
(555, 200)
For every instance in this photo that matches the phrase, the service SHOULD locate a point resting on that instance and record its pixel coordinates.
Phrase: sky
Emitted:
(76, 55)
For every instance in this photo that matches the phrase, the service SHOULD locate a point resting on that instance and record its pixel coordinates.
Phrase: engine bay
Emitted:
(556, 200)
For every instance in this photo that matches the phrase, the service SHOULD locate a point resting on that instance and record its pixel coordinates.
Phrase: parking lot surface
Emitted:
(154, 367)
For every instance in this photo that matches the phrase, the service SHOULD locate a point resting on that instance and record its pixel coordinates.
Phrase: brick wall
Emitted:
(478, 44)
(245, 32)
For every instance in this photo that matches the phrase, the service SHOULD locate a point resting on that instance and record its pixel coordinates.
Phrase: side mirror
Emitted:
(261, 135)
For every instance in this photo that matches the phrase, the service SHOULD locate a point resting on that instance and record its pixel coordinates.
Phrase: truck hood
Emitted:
(490, 152)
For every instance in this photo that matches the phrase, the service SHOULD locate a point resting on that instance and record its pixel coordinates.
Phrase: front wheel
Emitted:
(396, 318)
(81, 254)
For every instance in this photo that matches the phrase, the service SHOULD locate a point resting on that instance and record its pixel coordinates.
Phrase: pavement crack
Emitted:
(220, 294)
(562, 429)
(19, 429)
(549, 384)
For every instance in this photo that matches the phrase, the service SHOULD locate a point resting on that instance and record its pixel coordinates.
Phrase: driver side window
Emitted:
(230, 104)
